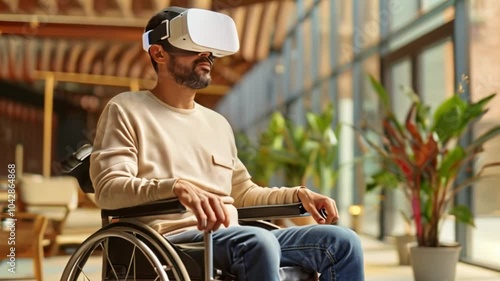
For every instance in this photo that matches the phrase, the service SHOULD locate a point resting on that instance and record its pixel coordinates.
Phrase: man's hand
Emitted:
(314, 203)
(208, 208)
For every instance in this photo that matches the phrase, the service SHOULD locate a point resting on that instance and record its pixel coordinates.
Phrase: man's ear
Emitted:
(158, 53)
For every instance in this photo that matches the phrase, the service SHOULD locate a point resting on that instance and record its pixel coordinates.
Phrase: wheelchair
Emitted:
(131, 250)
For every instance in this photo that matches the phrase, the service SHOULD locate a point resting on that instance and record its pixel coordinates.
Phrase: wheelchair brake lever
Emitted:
(323, 213)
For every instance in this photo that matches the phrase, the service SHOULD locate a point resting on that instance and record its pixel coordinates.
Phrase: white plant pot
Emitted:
(434, 263)
(401, 242)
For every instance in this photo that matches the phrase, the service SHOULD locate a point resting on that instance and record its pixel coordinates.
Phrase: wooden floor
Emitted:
(380, 265)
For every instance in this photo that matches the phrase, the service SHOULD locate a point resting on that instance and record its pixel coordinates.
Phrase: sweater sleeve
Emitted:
(246, 193)
(114, 165)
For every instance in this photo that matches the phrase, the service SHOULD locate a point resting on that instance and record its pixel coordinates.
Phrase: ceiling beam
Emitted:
(49, 6)
(232, 4)
(161, 4)
(266, 29)
(286, 9)
(125, 7)
(201, 4)
(88, 7)
(74, 31)
(249, 42)
(73, 20)
(12, 4)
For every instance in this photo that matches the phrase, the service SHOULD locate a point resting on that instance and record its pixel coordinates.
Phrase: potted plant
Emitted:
(423, 155)
(299, 153)
(402, 240)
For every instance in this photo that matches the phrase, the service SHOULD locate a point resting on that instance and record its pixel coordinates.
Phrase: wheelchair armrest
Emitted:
(160, 207)
(271, 212)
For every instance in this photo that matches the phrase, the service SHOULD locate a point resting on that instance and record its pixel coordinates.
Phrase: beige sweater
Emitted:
(143, 146)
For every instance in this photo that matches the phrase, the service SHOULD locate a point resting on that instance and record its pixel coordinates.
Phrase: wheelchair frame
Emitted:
(77, 165)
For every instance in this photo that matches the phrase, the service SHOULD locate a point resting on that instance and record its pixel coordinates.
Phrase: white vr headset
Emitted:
(197, 30)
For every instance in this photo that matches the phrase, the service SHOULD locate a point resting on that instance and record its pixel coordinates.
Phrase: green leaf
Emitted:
(381, 92)
(386, 179)
(486, 136)
(427, 209)
(463, 214)
(448, 118)
(285, 157)
(326, 118)
(371, 186)
(426, 190)
(277, 122)
(477, 109)
(422, 116)
(313, 121)
(449, 164)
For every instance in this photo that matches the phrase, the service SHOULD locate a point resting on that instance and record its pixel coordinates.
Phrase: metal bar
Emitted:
(462, 67)
(332, 80)
(384, 78)
(47, 123)
(357, 72)
(285, 78)
(315, 53)
(209, 267)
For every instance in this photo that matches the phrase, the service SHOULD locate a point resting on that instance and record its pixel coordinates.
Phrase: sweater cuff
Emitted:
(296, 193)
(166, 188)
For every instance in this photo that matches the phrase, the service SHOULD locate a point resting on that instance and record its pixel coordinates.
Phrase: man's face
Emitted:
(191, 71)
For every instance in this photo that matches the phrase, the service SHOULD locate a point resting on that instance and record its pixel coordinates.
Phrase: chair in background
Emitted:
(54, 198)
(29, 229)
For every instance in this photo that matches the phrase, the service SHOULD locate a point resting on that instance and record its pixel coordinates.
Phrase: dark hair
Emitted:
(166, 14)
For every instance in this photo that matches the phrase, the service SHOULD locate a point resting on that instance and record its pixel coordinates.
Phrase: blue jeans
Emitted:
(252, 253)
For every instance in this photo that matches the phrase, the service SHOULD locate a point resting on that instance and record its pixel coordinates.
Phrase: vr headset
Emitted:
(196, 30)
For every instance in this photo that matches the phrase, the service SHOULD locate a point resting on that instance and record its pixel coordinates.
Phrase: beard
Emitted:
(188, 76)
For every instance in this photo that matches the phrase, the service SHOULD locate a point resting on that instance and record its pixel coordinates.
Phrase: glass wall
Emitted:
(370, 110)
(329, 51)
(485, 70)
(345, 182)
(436, 73)
(436, 83)
(401, 79)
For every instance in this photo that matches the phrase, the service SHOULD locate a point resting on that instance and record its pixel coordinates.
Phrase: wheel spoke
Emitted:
(135, 267)
(134, 241)
(109, 261)
(84, 277)
(132, 259)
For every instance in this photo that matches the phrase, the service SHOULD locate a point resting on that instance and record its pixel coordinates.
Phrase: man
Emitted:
(159, 144)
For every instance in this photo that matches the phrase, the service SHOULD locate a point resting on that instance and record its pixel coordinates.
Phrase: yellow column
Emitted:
(47, 123)
(134, 85)
(19, 155)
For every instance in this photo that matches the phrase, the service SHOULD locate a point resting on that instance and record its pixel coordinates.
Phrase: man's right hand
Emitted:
(208, 208)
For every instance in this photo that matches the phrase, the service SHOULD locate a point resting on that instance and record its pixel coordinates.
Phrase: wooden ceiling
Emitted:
(95, 45)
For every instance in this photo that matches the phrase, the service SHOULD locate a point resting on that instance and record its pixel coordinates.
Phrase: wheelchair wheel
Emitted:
(130, 251)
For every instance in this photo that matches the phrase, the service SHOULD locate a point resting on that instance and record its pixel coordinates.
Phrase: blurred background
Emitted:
(62, 60)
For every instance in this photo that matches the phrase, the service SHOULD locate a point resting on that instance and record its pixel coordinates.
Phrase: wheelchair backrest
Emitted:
(78, 165)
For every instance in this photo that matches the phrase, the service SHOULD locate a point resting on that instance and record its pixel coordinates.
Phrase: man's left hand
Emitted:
(314, 203)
